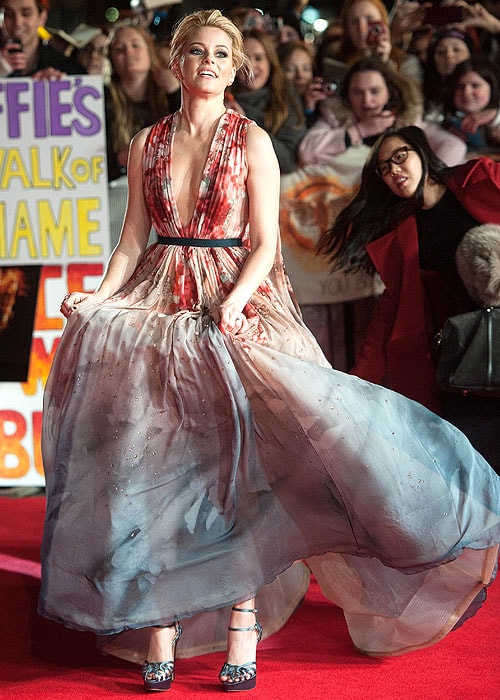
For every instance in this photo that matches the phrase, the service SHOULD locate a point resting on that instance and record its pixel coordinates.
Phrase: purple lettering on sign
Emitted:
(79, 101)
(15, 107)
(44, 109)
(58, 109)
(39, 112)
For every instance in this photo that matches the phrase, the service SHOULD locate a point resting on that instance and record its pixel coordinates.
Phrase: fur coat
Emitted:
(478, 263)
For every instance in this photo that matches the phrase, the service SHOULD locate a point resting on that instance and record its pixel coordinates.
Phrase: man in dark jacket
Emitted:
(23, 49)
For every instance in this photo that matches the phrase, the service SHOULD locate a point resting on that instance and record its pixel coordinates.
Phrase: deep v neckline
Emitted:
(201, 193)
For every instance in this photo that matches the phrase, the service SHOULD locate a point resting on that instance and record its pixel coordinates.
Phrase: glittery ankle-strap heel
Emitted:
(158, 675)
(243, 676)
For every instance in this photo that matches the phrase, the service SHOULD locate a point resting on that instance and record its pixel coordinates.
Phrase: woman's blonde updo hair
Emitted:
(209, 18)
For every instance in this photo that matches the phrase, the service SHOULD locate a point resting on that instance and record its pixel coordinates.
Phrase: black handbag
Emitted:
(470, 353)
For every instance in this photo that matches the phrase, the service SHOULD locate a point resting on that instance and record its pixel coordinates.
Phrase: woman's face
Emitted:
(448, 53)
(129, 53)
(206, 63)
(367, 94)
(401, 174)
(358, 17)
(93, 55)
(472, 93)
(260, 63)
(288, 33)
(299, 70)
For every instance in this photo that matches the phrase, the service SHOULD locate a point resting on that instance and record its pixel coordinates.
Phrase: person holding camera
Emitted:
(372, 99)
(24, 51)
(444, 35)
(477, 19)
(297, 62)
(367, 32)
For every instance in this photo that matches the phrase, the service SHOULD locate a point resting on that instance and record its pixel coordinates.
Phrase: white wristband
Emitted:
(496, 119)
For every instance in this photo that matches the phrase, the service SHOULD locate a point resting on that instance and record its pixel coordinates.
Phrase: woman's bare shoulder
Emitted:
(139, 140)
(257, 138)
(261, 156)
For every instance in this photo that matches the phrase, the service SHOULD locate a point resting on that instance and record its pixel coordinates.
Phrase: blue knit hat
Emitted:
(452, 33)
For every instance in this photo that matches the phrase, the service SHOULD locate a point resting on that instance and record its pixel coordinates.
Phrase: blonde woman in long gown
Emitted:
(197, 444)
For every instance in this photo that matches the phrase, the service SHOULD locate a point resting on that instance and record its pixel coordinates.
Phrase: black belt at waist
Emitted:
(201, 242)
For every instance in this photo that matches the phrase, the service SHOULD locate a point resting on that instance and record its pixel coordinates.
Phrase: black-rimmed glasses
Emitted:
(384, 167)
(99, 50)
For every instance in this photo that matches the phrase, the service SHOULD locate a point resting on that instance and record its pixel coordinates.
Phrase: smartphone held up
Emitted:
(13, 46)
(330, 88)
(14, 54)
(444, 14)
(375, 32)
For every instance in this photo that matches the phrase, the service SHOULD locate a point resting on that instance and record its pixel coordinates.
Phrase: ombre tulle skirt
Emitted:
(188, 470)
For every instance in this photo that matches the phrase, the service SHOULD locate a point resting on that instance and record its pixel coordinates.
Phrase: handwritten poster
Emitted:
(54, 238)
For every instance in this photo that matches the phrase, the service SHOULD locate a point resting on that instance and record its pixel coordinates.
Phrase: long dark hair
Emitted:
(375, 210)
(434, 84)
(281, 100)
(404, 97)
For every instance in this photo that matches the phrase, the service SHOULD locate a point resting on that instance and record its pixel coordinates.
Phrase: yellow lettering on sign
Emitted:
(14, 168)
(3, 232)
(97, 168)
(12, 432)
(22, 231)
(86, 226)
(54, 234)
(36, 177)
(59, 162)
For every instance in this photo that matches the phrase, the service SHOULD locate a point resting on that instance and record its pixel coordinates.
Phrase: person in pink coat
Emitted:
(405, 223)
(372, 99)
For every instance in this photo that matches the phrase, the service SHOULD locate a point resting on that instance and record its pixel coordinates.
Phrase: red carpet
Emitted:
(311, 657)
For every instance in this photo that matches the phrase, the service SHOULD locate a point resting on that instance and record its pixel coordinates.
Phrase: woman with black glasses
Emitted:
(405, 223)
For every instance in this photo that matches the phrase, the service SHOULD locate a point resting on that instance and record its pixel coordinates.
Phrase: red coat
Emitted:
(399, 339)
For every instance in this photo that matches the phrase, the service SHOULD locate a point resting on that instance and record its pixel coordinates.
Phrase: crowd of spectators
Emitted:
(377, 64)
